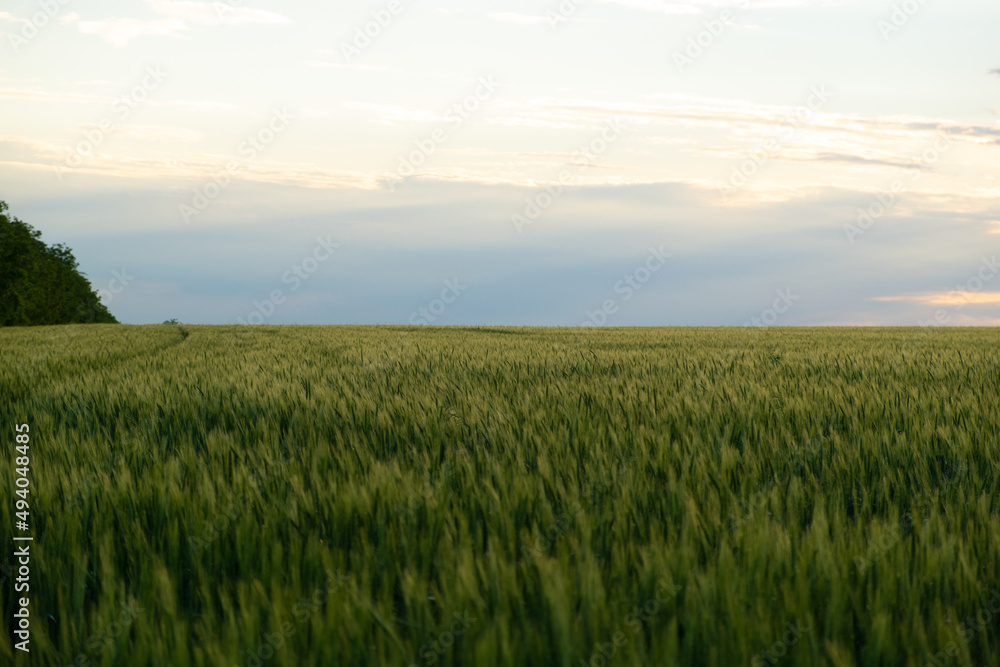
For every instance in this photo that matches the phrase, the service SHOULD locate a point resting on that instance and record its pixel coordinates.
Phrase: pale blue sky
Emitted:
(581, 140)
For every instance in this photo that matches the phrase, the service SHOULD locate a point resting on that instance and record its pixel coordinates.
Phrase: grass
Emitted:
(417, 496)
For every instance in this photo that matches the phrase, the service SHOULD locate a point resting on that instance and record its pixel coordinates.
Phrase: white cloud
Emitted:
(390, 114)
(44, 96)
(698, 6)
(194, 105)
(60, 98)
(7, 16)
(40, 156)
(752, 120)
(121, 31)
(155, 133)
(360, 68)
(214, 13)
(657, 6)
(176, 19)
(514, 17)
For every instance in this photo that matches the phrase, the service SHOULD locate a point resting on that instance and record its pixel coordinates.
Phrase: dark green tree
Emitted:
(41, 284)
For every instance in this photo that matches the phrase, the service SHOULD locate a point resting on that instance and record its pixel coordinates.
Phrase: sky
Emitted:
(531, 162)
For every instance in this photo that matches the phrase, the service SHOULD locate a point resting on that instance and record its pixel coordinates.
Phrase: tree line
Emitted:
(42, 284)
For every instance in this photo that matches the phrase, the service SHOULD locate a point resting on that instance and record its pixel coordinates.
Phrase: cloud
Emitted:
(193, 105)
(397, 249)
(958, 307)
(121, 31)
(214, 13)
(995, 71)
(389, 114)
(699, 6)
(796, 152)
(60, 98)
(36, 155)
(360, 68)
(952, 298)
(7, 16)
(843, 158)
(155, 133)
(44, 96)
(514, 17)
(44, 150)
(684, 8)
(713, 135)
(657, 6)
(176, 19)
(822, 137)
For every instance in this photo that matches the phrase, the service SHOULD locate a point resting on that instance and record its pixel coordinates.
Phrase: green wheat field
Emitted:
(298, 496)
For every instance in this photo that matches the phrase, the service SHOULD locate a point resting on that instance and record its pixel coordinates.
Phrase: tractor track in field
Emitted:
(38, 379)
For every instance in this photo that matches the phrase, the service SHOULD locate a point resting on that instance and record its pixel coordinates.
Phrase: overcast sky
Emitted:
(618, 162)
